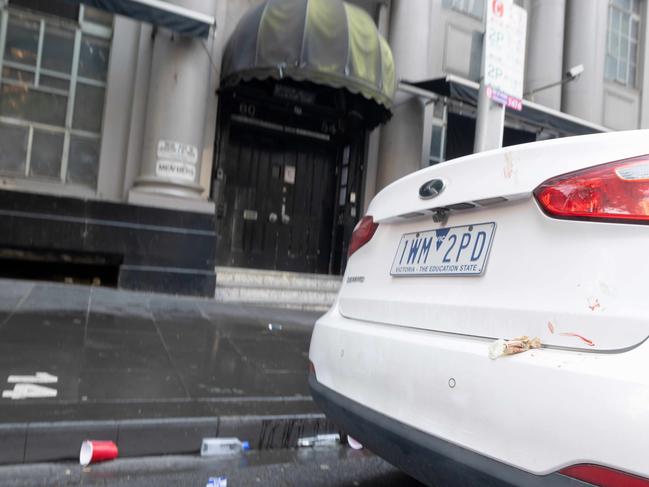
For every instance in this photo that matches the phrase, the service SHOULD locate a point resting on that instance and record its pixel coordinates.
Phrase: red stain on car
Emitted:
(551, 327)
(582, 338)
(594, 305)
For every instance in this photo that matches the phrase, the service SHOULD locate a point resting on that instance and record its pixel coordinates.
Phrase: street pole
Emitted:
(490, 122)
(490, 119)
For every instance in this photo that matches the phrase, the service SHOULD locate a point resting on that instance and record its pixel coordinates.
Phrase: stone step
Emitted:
(231, 276)
(319, 308)
(278, 289)
(264, 294)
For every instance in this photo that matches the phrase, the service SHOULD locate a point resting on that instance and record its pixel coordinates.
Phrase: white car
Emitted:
(547, 240)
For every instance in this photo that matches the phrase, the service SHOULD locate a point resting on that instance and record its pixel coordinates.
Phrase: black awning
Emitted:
(157, 12)
(326, 42)
(533, 113)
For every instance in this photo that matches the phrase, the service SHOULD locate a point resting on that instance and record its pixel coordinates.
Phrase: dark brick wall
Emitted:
(158, 250)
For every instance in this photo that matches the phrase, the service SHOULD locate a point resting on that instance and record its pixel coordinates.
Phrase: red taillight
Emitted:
(617, 191)
(362, 234)
(604, 477)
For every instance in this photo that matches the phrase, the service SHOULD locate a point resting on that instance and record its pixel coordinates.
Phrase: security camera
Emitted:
(575, 71)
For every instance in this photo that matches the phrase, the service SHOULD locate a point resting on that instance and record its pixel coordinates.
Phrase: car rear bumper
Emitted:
(538, 412)
(423, 456)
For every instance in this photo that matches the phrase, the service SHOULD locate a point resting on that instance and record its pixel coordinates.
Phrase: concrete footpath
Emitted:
(154, 373)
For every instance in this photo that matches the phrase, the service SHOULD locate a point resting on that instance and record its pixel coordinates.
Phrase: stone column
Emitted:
(176, 107)
(374, 137)
(544, 64)
(585, 43)
(400, 150)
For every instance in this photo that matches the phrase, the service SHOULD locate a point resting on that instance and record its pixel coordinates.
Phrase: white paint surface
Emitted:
(289, 174)
(177, 151)
(29, 391)
(37, 378)
(175, 170)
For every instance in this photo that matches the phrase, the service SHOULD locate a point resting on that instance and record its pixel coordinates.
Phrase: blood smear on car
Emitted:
(593, 304)
(584, 339)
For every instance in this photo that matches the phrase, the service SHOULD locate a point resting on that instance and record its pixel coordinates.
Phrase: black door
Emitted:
(277, 202)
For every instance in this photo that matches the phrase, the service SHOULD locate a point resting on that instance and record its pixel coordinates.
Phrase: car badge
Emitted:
(431, 189)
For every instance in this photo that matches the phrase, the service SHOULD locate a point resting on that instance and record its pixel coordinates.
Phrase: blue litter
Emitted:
(217, 482)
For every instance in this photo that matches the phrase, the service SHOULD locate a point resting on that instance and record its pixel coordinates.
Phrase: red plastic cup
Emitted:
(97, 451)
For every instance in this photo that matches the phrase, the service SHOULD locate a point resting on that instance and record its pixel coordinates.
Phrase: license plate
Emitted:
(453, 251)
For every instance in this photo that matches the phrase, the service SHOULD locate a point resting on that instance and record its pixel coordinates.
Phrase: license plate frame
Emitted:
(441, 253)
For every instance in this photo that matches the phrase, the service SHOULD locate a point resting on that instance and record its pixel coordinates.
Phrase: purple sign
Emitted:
(504, 99)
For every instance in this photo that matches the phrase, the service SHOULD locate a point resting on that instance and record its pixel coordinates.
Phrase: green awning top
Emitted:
(328, 42)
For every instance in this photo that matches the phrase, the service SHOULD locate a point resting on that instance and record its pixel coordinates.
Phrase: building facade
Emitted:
(125, 157)
(607, 37)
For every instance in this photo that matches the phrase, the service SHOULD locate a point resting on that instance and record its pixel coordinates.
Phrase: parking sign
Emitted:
(504, 56)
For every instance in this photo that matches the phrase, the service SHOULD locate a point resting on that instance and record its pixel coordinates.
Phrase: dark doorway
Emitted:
(278, 202)
(461, 132)
(288, 175)
(515, 137)
(459, 136)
